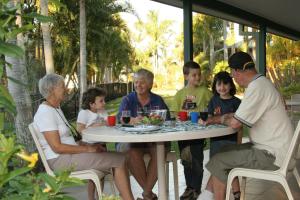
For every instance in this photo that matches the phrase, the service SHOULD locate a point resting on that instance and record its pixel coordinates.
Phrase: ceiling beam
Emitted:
(245, 15)
(215, 8)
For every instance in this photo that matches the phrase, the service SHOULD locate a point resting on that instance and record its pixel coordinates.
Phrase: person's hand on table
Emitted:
(201, 122)
(209, 121)
(96, 124)
(135, 120)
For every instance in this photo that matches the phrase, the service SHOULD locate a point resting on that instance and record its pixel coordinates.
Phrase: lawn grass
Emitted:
(113, 106)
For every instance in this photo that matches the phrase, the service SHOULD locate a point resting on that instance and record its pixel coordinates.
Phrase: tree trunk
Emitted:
(49, 63)
(225, 38)
(20, 92)
(231, 26)
(211, 52)
(82, 75)
(204, 46)
(246, 40)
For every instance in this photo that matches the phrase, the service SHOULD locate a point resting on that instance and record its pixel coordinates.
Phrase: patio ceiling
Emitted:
(281, 17)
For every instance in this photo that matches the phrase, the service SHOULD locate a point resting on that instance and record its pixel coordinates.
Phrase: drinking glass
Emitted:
(126, 116)
(142, 111)
(155, 108)
(203, 115)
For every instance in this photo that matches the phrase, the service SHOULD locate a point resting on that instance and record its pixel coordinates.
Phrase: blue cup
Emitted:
(194, 117)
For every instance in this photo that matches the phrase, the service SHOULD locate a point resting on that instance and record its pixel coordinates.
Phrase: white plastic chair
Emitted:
(96, 176)
(295, 109)
(170, 158)
(279, 176)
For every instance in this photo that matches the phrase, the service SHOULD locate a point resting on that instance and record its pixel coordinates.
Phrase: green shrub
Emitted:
(17, 181)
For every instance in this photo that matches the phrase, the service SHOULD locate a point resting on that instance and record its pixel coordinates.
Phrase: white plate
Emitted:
(141, 128)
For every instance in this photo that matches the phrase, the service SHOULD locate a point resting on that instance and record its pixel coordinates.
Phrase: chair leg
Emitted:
(102, 182)
(286, 187)
(112, 187)
(297, 176)
(243, 188)
(175, 176)
(98, 185)
(167, 177)
(228, 186)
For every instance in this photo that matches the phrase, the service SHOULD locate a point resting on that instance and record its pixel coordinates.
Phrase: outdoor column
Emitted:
(187, 30)
(261, 54)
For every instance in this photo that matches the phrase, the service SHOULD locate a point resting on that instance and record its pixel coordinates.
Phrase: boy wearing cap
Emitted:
(262, 110)
(193, 97)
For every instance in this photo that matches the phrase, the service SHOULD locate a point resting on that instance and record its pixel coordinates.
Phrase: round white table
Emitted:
(112, 134)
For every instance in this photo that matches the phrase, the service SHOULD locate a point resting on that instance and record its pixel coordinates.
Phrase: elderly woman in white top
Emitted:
(62, 152)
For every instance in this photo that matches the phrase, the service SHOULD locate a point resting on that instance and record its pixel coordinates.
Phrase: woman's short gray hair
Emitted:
(48, 82)
(148, 75)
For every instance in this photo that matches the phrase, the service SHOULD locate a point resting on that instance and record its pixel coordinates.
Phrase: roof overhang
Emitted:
(280, 17)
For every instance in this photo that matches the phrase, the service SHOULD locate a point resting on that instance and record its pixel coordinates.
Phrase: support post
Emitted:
(261, 54)
(188, 30)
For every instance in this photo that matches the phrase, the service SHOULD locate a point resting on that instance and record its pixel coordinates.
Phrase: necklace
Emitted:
(74, 132)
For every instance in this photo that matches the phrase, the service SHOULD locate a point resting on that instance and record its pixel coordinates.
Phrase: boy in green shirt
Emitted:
(193, 97)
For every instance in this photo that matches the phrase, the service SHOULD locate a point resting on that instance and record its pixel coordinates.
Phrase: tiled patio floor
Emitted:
(255, 190)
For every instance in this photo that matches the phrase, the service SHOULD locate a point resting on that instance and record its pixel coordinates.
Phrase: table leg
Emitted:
(160, 150)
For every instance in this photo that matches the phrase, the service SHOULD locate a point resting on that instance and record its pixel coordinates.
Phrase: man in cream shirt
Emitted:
(263, 111)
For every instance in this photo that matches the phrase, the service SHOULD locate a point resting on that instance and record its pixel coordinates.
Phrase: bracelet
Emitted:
(222, 119)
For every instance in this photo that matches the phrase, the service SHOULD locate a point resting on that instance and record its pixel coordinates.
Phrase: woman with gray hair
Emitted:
(61, 150)
(139, 103)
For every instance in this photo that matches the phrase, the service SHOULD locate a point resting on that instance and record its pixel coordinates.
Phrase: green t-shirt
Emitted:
(197, 97)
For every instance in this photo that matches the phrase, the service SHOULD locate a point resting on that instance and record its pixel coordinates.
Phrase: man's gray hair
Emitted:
(148, 75)
(48, 83)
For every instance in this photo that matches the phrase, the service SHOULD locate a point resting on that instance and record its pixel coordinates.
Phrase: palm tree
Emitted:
(158, 32)
(224, 40)
(82, 74)
(207, 30)
(49, 63)
(104, 27)
(17, 86)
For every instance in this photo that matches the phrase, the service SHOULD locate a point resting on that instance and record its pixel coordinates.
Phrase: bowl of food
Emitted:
(156, 117)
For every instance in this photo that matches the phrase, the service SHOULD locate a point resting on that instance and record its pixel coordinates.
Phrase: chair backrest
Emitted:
(34, 133)
(289, 162)
(295, 98)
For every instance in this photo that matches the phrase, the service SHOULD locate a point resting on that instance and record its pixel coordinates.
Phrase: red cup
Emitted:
(111, 120)
(183, 116)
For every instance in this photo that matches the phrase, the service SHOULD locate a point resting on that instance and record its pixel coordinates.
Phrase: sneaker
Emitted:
(195, 195)
(188, 194)
(206, 195)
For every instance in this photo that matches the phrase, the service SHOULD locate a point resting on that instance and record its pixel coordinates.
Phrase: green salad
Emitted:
(153, 119)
